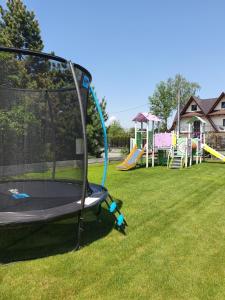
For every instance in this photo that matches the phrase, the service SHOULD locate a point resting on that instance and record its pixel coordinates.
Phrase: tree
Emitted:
(118, 136)
(18, 27)
(116, 130)
(161, 102)
(94, 128)
(164, 99)
(185, 88)
(131, 132)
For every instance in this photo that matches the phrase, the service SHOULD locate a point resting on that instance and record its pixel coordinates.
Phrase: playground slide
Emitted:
(213, 152)
(132, 159)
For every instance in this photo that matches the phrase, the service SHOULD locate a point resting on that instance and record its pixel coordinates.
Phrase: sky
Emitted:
(130, 46)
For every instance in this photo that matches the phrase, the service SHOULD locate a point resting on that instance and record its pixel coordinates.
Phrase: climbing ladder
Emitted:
(176, 162)
(113, 208)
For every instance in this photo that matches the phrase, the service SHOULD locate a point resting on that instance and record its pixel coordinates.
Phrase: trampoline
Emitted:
(43, 146)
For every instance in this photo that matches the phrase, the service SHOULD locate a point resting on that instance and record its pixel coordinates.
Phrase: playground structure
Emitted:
(169, 149)
(143, 142)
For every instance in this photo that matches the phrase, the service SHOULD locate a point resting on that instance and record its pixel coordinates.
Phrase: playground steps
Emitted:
(176, 162)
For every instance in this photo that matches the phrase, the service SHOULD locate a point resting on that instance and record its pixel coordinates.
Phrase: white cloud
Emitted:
(112, 119)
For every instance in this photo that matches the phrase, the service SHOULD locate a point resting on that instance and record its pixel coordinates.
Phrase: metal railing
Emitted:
(208, 128)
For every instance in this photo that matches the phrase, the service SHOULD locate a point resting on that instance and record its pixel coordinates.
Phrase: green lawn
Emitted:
(174, 248)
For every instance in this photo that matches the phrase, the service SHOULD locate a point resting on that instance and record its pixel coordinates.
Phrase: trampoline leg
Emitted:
(99, 211)
(79, 229)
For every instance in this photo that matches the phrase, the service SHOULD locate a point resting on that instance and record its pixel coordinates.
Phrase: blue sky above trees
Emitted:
(129, 46)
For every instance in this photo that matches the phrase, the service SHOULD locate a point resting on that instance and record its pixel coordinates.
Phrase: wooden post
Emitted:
(197, 153)
(178, 112)
(147, 142)
(186, 153)
(141, 134)
(203, 140)
(189, 130)
(135, 132)
(153, 144)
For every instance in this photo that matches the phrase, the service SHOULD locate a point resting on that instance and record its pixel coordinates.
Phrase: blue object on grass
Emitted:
(120, 220)
(112, 207)
(20, 196)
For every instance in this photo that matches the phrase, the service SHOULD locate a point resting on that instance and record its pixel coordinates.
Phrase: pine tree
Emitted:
(94, 128)
(19, 27)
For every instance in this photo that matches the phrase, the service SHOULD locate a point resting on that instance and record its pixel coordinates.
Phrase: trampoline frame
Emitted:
(69, 209)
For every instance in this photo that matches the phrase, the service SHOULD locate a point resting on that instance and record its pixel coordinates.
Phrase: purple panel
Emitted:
(163, 140)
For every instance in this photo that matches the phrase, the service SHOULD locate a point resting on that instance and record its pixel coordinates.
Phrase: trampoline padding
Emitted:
(48, 200)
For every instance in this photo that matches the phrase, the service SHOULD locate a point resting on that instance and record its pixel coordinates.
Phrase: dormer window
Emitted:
(194, 107)
(223, 105)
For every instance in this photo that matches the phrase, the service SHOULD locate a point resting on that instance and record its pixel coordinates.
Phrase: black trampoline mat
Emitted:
(42, 195)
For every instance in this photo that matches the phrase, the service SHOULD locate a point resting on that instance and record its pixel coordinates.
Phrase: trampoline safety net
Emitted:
(41, 137)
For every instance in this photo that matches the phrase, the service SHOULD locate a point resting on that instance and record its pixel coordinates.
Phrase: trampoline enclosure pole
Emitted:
(104, 133)
(53, 134)
(83, 121)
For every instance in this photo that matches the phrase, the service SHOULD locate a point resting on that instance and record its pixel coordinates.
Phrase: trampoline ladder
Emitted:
(120, 221)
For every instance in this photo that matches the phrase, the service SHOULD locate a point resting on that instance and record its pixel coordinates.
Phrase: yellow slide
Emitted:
(132, 159)
(213, 152)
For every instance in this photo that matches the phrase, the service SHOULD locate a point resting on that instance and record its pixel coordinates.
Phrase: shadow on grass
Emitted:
(218, 162)
(38, 241)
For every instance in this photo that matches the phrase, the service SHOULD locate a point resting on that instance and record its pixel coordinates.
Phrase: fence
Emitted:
(119, 142)
(185, 128)
(216, 140)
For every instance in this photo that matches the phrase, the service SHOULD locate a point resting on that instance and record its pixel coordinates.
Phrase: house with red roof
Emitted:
(212, 111)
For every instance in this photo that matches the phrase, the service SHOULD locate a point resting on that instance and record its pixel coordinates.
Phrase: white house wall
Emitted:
(218, 121)
(184, 125)
(218, 106)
